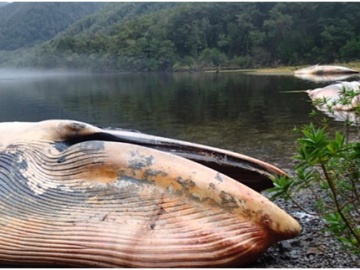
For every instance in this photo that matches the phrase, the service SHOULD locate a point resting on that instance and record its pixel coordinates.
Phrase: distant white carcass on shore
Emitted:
(342, 96)
(327, 78)
(338, 100)
(325, 69)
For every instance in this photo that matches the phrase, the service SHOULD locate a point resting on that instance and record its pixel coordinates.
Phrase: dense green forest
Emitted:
(24, 24)
(195, 36)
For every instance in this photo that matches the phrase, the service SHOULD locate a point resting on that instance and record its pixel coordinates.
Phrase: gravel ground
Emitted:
(314, 248)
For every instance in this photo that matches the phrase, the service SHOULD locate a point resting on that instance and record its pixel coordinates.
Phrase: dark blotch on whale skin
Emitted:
(92, 146)
(150, 173)
(14, 189)
(228, 200)
(186, 183)
(16, 196)
(77, 126)
(60, 146)
(140, 161)
(14, 184)
(61, 159)
(12, 161)
(218, 177)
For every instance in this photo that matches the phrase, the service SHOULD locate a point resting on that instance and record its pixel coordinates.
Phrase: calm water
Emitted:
(245, 113)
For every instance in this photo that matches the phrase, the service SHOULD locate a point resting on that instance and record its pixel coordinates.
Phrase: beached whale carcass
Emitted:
(323, 78)
(331, 97)
(325, 69)
(72, 194)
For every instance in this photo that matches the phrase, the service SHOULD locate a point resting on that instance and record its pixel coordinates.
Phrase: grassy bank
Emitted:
(284, 69)
(289, 69)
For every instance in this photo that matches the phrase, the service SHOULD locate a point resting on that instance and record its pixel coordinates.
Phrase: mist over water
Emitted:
(13, 73)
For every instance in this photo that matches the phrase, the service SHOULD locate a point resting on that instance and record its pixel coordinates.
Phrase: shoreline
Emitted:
(281, 70)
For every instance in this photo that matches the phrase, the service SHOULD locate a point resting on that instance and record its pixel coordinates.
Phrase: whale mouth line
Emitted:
(247, 171)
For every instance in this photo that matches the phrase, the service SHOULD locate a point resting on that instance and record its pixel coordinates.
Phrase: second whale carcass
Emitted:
(72, 194)
(325, 69)
(338, 100)
(341, 96)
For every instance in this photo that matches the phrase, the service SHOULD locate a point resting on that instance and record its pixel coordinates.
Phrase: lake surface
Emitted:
(241, 112)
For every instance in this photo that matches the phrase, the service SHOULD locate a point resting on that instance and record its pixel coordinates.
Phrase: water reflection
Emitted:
(240, 112)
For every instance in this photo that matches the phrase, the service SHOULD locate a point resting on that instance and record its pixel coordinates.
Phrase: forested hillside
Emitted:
(113, 13)
(182, 36)
(24, 24)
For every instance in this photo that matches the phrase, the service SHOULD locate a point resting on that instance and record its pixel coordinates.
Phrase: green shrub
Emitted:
(328, 168)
